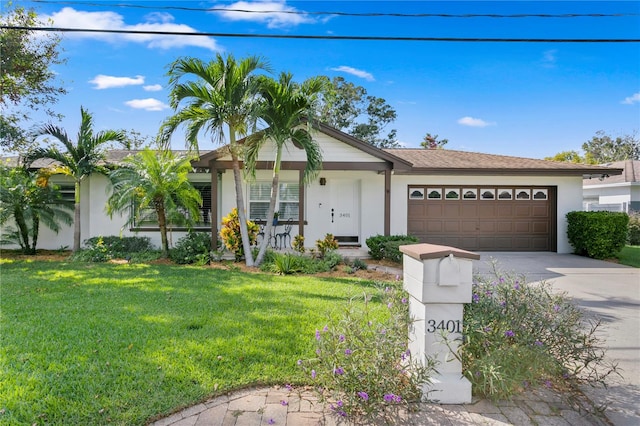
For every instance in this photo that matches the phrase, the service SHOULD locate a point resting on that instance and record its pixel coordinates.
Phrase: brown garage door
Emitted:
(492, 218)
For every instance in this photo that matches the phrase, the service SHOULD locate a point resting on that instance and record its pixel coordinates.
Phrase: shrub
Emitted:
(195, 247)
(95, 251)
(102, 249)
(230, 233)
(519, 334)
(329, 243)
(599, 235)
(363, 367)
(378, 251)
(298, 243)
(117, 245)
(285, 264)
(634, 229)
(358, 264)
(299, 263)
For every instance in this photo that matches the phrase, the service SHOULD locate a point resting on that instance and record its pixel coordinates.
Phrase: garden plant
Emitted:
(362, 365)
(520, 335)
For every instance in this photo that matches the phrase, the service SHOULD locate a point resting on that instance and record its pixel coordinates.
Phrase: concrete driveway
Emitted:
(606, 289)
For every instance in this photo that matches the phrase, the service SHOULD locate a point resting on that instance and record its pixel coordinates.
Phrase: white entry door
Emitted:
(345, 210)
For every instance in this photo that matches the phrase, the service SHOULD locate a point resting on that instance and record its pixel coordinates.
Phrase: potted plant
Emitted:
(275, 218)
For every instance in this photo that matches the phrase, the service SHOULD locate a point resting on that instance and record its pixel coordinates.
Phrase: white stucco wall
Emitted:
(318, 201)
(612, 194)
(569, 196)
(94, 219)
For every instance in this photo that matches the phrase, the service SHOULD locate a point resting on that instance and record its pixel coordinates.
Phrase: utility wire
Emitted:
(324, 37)
(357, 14)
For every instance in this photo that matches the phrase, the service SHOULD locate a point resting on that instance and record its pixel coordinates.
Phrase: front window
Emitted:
(148, 216)
(286, 204)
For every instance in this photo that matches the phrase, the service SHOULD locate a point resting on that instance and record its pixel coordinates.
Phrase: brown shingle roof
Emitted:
(445, 161)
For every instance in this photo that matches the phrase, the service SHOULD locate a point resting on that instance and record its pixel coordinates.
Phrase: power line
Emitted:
(354, 14)
(324, 37)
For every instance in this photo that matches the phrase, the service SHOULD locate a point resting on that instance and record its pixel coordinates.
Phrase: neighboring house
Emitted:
(467, 200)
(619, 192)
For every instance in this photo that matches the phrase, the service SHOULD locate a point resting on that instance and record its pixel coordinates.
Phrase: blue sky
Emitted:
(523, 99)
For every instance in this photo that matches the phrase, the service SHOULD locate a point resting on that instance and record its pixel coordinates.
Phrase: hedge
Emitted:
(600, 235)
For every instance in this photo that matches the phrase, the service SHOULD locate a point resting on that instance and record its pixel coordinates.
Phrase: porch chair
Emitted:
(283, 239)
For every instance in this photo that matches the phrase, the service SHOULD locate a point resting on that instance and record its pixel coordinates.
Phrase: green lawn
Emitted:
(122, 344)
(630, 255)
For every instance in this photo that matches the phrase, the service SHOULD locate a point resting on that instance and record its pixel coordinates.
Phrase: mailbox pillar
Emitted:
(439, 281)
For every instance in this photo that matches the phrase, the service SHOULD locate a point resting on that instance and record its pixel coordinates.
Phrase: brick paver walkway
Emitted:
(280, 406)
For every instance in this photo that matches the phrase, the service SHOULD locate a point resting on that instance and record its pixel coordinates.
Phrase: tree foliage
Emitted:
(29, 199)
(604, 149)
(158, 180)
(431, 142)
(284, 107)
(27, 82)
(81, 158)
(349, 108)
(572, 157)
(211, 97)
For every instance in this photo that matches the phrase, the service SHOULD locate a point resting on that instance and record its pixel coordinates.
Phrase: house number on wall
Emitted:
(452, 326)
(345, 214)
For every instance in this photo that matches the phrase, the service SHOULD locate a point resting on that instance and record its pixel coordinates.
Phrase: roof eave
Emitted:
(508, 171)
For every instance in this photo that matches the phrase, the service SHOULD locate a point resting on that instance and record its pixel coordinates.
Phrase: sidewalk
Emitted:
(281, 406)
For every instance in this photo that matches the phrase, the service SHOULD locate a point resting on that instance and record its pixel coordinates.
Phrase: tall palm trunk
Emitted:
(242, 217)
(162, 224)
(23, 230)
(272, 206)
(76, 218)
(34, 232)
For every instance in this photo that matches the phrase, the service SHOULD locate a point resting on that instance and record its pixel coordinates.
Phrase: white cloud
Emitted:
(71, 18)
(474, 122)
(630, 100)
(149, 104)
(549, 58)
(108, 82)
(152, 87)
(354, 71)
(276, 14)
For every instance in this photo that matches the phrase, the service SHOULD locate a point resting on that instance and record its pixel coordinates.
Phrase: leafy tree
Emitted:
(223, 94)
(81, 159)
(157, 180)
(29, 200)
(572, 157)
(604, 149)
(285, 105)
(27, 81)
(343, 105)
(432, 142)
(136, 140)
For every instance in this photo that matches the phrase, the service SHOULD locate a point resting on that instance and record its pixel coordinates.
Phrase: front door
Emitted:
(345, 210)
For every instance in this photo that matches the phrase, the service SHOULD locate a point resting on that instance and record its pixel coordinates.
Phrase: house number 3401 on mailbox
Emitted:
(452, 326)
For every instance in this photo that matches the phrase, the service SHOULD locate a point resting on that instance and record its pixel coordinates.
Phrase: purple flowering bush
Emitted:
(520, 334)
(362, 366)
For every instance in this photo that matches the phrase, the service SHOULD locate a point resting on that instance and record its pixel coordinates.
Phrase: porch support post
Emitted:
(300, 203)
(214, 204)
(387, 202)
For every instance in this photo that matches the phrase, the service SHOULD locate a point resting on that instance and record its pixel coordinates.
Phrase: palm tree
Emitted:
(158, 180)
(80, 160)
(223, 95)
(29, 200)
(285, 108)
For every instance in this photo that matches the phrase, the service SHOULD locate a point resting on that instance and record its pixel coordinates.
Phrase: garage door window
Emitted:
(487, 194)
(434, 193)
(540, 194)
